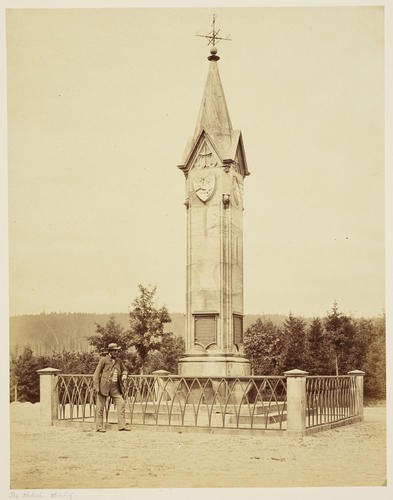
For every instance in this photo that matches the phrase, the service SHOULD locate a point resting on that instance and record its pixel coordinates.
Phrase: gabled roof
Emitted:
(235, 150)
(193, 146)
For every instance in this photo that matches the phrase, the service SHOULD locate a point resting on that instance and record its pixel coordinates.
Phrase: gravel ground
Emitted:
(73, 457)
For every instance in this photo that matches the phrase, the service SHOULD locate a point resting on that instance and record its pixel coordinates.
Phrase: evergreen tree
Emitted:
(318, 350)
(294, 339)
(341, 332)
(362, 339)
(24, 377)
(375, 362)
(146, 324)
(263, 346)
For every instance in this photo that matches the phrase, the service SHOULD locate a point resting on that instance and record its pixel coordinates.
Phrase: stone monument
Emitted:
(214, 165)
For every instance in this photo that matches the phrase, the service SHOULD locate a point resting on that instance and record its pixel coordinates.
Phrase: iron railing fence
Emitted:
(330, 399)
(229, 402)
(226, 402)
(75, 397)
(258, 402)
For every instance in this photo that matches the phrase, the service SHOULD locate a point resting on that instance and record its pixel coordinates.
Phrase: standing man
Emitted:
(108, 380)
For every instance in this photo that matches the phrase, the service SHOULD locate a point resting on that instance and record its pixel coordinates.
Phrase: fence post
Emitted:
(296, 401)
(48, 395)
(359, 381)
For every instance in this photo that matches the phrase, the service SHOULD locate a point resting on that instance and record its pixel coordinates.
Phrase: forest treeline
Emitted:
(48, 332)
(332, 345)
(146, 346)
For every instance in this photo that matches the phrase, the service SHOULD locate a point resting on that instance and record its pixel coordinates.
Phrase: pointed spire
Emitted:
(213, 114)
(213, 120)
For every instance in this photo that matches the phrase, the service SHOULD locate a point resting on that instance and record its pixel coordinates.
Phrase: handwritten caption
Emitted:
(40, 494)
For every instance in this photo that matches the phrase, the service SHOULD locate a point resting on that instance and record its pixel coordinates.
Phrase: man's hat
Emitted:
(113, 347)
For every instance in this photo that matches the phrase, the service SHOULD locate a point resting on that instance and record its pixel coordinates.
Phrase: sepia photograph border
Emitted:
(303, 493)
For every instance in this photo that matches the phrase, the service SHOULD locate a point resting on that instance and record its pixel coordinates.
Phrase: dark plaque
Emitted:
(237, 329)
(205, 329)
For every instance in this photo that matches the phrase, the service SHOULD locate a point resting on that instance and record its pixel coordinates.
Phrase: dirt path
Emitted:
(66, 457)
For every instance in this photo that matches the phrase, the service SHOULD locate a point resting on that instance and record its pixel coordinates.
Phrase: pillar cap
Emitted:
(357, 372)
(48, 371)
(161, 372)
(295, 373)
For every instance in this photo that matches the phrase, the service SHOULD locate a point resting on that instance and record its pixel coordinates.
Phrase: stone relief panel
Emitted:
(205, 158)
(203, 179)
(204, 184)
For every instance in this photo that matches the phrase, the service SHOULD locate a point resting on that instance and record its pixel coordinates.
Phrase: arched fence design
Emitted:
(210, 402)
(295, 402)
(330, 399)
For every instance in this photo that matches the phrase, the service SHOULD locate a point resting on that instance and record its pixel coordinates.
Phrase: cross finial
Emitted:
(213, 39)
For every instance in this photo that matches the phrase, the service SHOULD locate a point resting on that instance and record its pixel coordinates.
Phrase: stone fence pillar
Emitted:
(359, 383)
(296, 401)
(48, 395)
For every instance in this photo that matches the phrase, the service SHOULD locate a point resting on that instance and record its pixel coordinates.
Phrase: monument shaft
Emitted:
(214, 165)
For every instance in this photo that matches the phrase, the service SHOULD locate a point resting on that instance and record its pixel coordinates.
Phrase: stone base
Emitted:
(224, 365)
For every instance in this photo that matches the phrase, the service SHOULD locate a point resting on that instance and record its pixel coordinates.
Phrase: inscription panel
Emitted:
(205, 329)
(237, 329)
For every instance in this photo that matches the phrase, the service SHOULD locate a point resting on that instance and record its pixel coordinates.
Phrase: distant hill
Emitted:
(57, 331)
(46, 333)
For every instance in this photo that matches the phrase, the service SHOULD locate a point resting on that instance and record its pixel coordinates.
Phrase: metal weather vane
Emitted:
(213, 35)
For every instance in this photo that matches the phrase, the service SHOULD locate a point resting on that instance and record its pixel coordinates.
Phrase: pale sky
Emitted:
(101, 103)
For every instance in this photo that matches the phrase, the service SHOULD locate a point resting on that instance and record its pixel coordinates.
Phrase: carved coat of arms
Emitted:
(204, 186)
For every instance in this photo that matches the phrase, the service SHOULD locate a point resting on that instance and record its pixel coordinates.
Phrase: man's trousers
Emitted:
(117, 398)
